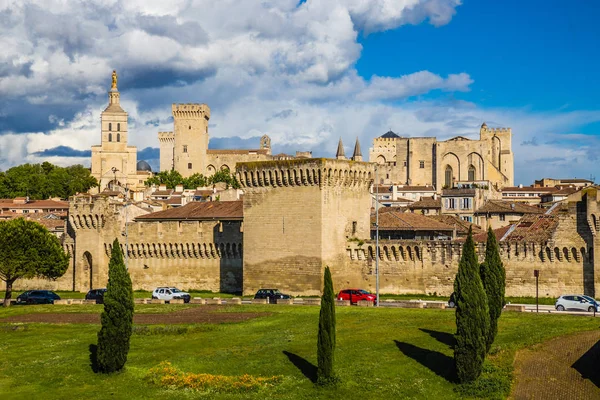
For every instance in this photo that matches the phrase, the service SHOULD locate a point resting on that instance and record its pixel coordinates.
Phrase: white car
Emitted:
(170, 293)
(572, 302)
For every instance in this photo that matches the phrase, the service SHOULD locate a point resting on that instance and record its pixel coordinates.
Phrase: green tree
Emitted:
(117, 317)
(493, 277)
(226, 177)
(326, 338)
(41, 181)
(194, 181)
(169, 178)
(28, 250)
(472, 315)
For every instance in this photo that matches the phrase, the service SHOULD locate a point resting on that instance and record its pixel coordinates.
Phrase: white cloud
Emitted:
(263, 66)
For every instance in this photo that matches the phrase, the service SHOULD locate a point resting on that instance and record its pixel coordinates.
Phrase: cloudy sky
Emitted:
(306, 73)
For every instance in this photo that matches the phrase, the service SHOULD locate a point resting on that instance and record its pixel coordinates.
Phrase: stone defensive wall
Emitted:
(298, 215)
(430, 267)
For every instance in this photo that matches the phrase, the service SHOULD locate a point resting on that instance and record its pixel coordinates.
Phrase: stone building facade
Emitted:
(422, 161)
(114, 162)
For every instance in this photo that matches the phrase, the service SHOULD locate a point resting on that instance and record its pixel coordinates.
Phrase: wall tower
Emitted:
(191, 138)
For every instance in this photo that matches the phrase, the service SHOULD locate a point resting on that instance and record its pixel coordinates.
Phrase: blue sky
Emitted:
(305, 73)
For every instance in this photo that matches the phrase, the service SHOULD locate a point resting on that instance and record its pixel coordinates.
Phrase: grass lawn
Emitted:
(381, 353)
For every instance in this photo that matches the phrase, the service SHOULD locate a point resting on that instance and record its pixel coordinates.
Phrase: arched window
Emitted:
(448, 176)
(109, 126)
(118, 127)
(118, 137)
(471, 173)
(110, 137)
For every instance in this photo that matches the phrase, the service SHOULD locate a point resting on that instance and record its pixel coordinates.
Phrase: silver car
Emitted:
(576, 302)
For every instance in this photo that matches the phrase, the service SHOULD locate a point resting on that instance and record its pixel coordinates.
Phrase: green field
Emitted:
(381, 353)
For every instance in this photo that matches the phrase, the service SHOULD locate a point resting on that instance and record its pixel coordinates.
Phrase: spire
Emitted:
(357, 156)
(113, 96)
(340, 155)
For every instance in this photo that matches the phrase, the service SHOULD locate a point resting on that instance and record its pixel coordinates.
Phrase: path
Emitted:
(562, 368)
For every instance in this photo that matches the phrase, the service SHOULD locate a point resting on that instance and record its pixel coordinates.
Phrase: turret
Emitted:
(357, 156)
(340, 155)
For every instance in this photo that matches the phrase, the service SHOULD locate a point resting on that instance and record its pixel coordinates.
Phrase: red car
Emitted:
(354, 295)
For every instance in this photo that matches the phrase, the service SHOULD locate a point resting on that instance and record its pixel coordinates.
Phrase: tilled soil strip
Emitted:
(203, 314)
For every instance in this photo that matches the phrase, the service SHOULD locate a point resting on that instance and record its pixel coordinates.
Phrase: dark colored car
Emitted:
(37, 297)
(354, 295)
(96, 294)
(271, 294)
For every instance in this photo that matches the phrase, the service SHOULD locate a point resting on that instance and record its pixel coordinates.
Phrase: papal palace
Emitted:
(296, 214)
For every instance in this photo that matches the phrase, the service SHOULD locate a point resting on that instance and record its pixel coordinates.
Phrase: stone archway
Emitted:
(88, 268)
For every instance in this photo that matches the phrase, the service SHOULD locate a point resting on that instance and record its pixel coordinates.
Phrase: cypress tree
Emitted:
(493, 277)
(117, 318)
(326, 338)
(472, 315)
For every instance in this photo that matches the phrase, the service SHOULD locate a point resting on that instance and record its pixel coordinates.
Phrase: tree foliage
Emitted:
(326, 338)
(42, 181)
(173, 178)
(493, 278)
(472, 315)
(117, 317)
(28, 250)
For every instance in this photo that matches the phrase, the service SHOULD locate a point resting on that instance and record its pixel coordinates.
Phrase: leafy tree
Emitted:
(226, 177)
(326, 338)
(195, 181)
(117, 317)
(41, 181)
(28, 250)
(472, 315)
(493, 277)
(169, 178)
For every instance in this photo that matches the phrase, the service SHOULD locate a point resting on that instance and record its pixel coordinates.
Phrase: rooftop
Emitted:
(508, 207)
(408, 222)
(426, 203)
(227, 210)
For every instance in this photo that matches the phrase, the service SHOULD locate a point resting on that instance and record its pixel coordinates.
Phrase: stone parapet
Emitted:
(260, 301)
(235, 301)
(364, 303)
(213, 301)
(197, 300)
(342, 303)
(284, 301)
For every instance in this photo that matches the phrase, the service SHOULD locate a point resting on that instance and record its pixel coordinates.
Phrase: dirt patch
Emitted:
(562, 368)
(195, 315)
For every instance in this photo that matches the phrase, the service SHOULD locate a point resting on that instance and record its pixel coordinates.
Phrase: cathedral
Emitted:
(114, 163)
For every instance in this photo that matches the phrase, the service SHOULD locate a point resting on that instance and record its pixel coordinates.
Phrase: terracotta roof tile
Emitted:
(508, 207)
(408, 222)
(162, 192)
(48, 204)
(528, 189)
(426, 203)
(407, 188)
(231, 210)
(462, 226)
(237, 151)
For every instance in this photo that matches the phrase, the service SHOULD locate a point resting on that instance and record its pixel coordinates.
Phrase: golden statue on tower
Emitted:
(114, 79)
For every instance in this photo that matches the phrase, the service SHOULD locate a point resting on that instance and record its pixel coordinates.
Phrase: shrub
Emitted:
(493, 278)
(326, 338)
(472, 315)
(117, 317)
(166, 375)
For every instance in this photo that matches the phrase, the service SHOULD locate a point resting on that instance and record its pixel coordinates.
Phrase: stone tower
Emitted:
(357, 155)
(190, 138)
(114, 162)
(299, 216)
(340, 154)
(167, 147)
(500, 146)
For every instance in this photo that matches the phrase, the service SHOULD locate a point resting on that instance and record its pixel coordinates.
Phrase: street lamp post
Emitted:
(126, 236)
(376, 236)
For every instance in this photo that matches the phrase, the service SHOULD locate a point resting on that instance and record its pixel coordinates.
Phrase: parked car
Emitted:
(452, 301)
(576, 302)
(170, 293)
(354, 295)
(270, 294)
(37, 297)
(96, 294)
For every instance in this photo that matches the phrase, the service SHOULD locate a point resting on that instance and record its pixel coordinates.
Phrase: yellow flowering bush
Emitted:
(166, 375)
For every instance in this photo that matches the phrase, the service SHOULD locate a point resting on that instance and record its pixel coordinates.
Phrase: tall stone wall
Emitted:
(298, 214)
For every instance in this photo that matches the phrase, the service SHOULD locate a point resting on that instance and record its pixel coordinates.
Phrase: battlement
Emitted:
(166, 136)
(305, 172)
(495, 131)
(191, 110)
